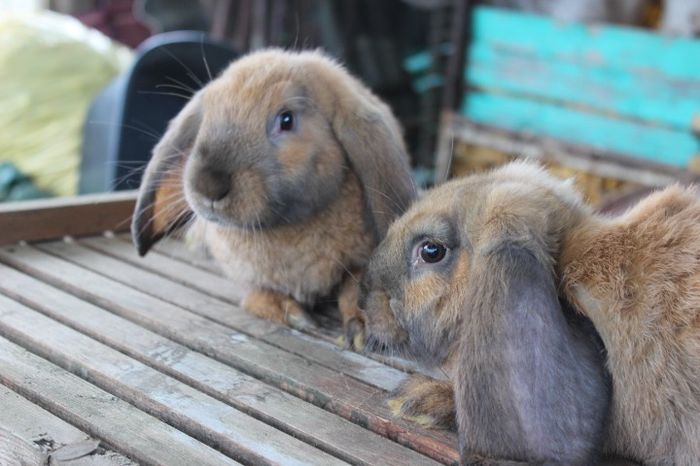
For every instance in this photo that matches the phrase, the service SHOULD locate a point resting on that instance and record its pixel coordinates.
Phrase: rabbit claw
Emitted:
(354, 335)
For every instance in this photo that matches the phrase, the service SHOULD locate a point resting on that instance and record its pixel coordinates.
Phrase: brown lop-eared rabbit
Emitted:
(498, 276)
(289, 171)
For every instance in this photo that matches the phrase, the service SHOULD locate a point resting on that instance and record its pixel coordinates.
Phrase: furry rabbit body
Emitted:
(500, 260)
(289, 171)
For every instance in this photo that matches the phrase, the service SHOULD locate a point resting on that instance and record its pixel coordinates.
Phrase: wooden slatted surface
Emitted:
(153, 358)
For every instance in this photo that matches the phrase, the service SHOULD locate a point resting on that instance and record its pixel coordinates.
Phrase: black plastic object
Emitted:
(128, 117)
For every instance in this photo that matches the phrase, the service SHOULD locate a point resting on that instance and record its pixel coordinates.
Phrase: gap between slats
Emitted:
(120, 425)
(324, 353)
(337, 393)
(179, 268)
(47, 438)
(287, 413)
(198, 415)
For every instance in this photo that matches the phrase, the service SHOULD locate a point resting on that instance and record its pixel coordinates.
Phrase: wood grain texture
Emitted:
(205, 418)
(609, 87)
(594, 45)
(593, 86)
(335, 392)
(663, 145)
(325, 353)
(599, 162)
(16, 450)
(215, 285)
(49, 437)
(98, 413)
(606, 87)
(305, 421)
(54, 218)
(177, 250)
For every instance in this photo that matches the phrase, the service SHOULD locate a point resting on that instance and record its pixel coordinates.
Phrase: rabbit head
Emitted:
(468, 275)
(422, 273)
(268, 143)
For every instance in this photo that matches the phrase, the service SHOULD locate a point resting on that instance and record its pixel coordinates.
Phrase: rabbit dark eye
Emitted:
(286, 121)
(432, 252)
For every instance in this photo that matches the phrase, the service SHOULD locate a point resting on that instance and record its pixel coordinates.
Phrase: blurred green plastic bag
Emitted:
(51, 66)
(15, 186)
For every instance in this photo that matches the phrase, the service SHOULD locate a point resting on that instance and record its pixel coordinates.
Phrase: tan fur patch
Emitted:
(169, 202)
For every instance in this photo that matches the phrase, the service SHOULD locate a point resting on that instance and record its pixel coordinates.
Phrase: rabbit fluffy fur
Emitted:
(293, 170)
(517, 240)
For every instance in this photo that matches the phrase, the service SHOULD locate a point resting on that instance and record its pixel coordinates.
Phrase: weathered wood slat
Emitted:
(599, 162)
(594, 86)
(178, 249)
(45, 437)
(646, 98)
(345, 362)
(292, 415)
(630, 48)
(100, 414)
(76, 216)
(201, 416)
(335, 392)
(207, 282)
(17, 450)
(663, 145)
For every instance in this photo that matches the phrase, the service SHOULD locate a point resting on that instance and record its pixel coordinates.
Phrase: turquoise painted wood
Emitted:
(663, 145)
(602, 89)
(616, 47)
(612, 88)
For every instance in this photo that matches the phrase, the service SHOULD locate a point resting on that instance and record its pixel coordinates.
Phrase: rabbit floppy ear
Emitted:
(374, 146)
(161, 206)
(530, 376)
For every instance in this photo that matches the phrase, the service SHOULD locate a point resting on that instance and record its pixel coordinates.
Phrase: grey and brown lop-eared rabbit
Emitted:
(494, 276)
(289, 170)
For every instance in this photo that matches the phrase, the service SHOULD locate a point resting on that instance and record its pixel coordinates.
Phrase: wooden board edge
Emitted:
(46, 219)
(454, 126)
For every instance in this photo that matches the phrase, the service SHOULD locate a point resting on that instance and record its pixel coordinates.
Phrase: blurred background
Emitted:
(607, 91)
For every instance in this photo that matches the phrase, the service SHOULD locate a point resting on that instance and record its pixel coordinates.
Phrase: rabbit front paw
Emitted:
(353, 336)
(425, 401)
(275, 306)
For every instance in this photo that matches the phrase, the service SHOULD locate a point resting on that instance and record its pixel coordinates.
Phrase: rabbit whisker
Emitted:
(186, 68)
(204, 58)
(173, 94)
(183, 86)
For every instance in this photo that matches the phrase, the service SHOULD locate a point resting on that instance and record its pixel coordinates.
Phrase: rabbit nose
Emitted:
(213, 184)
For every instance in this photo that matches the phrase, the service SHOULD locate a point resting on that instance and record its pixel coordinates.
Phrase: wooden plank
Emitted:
(47, 437)
(209, 420)
(635, 49)
(212, 284)
(17, 450)
(129, 430)
(591, 87)
(177, 249)
(327, 354)
(334, 392)
(76, 216)
(656, 144)
(579, 67)
(305, 421)
(603, 163)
